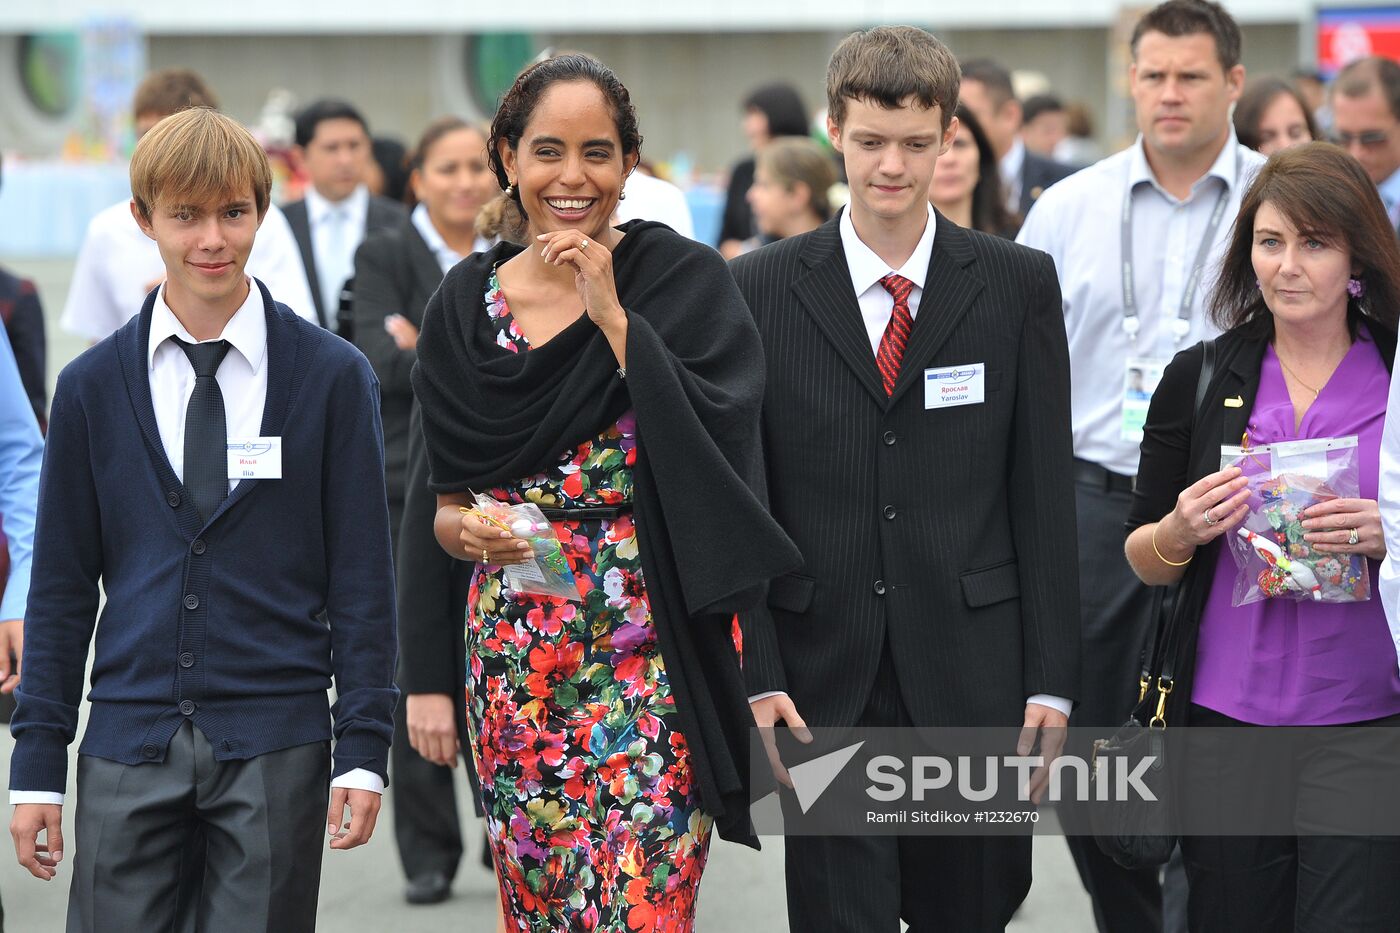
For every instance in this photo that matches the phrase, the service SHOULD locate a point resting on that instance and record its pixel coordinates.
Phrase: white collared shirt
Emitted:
(1078, 222)
(876, 309)
(652, 198)
(242, 375)
(1389, 501)
(337, 227)
(242, 380)
(446, 256)
(117, 265)
(867, 269)
(1010, 167)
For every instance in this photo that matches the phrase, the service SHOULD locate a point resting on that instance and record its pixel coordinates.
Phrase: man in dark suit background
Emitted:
(333, 146)
(939, 587)
(987, 92)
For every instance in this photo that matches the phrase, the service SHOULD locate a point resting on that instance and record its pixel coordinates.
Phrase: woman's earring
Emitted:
(622, 194)
(1355, 287)
(510, 190)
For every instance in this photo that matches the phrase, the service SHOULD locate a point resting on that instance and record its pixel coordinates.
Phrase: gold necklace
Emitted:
(1289, 369)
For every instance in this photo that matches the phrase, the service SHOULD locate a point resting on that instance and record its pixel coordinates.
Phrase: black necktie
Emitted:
(206, 433)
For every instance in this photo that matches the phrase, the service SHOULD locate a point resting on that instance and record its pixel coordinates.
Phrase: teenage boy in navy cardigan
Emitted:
(217, 465)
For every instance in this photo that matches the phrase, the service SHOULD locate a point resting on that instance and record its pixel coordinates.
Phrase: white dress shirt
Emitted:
(337, 227)
(867, 269)
(651, 198)
(876, 309)
(1078, 222)
(242, 380)
(446, 256)
(117, 263)
(1389, 502)
(1010, 166)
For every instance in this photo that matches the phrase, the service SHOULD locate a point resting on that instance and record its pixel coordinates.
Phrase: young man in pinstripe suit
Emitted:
(937, 523)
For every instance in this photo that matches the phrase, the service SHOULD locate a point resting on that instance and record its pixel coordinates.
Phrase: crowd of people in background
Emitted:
(483, 274)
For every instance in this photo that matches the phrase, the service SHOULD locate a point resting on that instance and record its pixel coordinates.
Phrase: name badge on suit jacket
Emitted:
(951, 386)
(255, 458)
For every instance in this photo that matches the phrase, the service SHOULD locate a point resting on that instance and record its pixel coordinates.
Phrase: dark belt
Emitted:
(607, 512)
(1091, 474)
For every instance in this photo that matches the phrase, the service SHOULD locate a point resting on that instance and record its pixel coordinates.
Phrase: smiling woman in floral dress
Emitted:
(613, 377)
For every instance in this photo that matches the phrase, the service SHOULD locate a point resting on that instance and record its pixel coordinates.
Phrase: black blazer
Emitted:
(432, 600)
(1176, 454)
(948, 532)
(395, 273)
(382, 214)
(1037, 174)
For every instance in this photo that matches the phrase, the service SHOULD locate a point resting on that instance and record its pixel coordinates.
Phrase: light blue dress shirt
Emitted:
(21, 454)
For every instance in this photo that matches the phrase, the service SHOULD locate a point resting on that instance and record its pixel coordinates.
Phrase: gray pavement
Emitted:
(362, 889)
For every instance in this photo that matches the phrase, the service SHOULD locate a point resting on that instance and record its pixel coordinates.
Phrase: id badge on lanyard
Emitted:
(1142, 373)
(1139, 382)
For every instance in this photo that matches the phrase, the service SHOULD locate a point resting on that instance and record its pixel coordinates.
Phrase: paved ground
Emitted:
(361, 890)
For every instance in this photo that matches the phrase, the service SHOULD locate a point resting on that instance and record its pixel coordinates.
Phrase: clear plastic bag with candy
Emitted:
(548, 574)
(1274, 560)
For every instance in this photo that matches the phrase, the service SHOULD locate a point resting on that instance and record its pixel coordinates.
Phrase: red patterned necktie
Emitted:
(897, 331)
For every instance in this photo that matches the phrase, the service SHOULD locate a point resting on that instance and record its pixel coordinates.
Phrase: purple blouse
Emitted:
(1282, 662)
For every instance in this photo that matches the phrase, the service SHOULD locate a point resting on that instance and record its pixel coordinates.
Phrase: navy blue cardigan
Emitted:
(238, 624)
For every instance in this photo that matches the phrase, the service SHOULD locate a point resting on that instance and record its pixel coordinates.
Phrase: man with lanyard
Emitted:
(1134, 238)
(1366, 123)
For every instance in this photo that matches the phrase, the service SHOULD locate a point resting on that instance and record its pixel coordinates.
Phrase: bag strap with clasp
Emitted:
(1168, 638)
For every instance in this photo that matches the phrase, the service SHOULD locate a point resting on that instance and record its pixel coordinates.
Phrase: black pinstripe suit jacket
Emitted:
(948, 532)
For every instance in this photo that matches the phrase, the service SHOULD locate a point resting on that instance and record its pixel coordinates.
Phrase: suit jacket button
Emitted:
(879, 587)
(187, 707)
(890, 512)
(187, 659)
(149, 751)
(199, 547)
(173, 498)
(192, 602)
(889, 438)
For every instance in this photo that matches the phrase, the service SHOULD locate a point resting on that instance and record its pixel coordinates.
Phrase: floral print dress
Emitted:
(585, 779)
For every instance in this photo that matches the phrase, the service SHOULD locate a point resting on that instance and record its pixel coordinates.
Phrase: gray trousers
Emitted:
(263, 822)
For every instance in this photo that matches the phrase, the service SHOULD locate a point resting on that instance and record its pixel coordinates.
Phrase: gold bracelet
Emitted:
(1169, 563)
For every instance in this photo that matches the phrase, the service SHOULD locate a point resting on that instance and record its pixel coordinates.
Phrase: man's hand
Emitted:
(432, 727)
(30, 819)
(1052, 742)
(364, 810)
(11, 645)
(775, 709)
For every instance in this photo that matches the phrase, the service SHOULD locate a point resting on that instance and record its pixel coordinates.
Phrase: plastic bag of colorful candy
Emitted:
(1274, 560)
(548, 574)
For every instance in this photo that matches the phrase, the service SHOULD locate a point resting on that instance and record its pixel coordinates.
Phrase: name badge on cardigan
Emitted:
(951, 386)
(255, 458)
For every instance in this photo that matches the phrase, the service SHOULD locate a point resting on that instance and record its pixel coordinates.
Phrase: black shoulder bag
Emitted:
(1138, 833)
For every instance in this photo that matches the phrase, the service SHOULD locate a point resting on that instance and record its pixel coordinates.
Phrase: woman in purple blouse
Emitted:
(1307, 297)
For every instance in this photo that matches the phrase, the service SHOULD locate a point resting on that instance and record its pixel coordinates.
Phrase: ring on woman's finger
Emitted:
(484, 558)
(1353, 538)
(584, 244)
(1209, 520)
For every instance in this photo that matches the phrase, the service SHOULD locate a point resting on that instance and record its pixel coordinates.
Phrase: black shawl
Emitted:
(695, 378)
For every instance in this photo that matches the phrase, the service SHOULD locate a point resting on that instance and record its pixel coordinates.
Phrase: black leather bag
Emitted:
(1139, 833)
